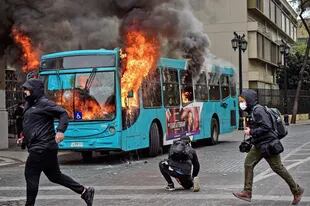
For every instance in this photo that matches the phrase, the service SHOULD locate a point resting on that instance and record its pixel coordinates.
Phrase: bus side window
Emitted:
(186, 87)
(201, 88)
(171, 87)
(151, 90)
(232, 84)
(225, 86)
(214, 86)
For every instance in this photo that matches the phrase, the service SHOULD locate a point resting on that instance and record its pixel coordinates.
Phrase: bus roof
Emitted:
(173, 63)
(80, 53)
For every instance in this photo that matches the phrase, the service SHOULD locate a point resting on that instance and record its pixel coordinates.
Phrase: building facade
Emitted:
(264, 22)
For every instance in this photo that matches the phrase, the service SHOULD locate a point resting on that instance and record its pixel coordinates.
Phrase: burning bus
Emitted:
(112, 108)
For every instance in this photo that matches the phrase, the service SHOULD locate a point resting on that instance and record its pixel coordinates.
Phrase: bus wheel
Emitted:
(214, 132)
(154, 147)
(87, 156)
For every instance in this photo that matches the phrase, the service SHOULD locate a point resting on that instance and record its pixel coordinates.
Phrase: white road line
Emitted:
(6, 161)
(268, 173)
(118, 187)
(170, 196)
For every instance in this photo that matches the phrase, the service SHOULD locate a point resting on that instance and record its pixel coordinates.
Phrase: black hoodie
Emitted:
(260, 122)
(39, 115)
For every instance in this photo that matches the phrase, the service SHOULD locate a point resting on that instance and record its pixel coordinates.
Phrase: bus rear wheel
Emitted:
(154, 146)
(214, 132)
(87, 156)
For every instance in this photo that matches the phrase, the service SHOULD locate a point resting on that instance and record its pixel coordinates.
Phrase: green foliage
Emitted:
(294, 65)
(299, 47)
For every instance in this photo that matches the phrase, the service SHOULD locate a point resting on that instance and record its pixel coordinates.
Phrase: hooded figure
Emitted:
(259, 127)
(42, 142)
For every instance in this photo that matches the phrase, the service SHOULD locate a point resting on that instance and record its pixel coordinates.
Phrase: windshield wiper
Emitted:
(90, 79)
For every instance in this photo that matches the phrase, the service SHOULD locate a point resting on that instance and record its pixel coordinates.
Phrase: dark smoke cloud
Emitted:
(58, 25)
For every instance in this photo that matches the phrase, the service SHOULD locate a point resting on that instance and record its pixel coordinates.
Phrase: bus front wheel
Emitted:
(154, 146)
(87, 156)
(214, 132)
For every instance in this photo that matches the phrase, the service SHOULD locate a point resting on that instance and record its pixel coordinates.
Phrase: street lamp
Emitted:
(285, 50)
(239, 42)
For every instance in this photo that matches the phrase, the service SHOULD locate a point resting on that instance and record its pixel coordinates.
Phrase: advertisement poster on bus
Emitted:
(182, 121)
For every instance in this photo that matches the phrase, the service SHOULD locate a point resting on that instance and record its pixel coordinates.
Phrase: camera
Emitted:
(245, 146)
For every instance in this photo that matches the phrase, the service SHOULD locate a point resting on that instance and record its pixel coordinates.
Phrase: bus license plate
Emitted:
(77, 144)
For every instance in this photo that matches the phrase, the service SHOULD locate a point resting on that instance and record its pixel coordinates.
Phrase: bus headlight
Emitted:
(112, 129)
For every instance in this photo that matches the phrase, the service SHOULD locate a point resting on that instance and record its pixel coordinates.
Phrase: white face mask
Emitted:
(242, 105)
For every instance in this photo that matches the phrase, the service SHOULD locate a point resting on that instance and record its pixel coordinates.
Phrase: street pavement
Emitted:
(123, 179)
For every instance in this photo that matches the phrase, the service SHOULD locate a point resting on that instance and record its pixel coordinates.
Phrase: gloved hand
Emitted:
(196, 186)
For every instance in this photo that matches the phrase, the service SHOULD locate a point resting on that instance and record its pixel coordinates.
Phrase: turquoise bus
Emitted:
(171, 102)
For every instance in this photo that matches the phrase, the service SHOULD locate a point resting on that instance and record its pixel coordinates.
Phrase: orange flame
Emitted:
(185, 97)
(139, 58)
(90, 108)
(30, 56)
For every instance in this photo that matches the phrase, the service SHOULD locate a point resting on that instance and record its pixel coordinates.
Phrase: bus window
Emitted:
(186, 87)
(151, 90)
(232, 84)
(171, 87)
(224, 86)
(214, 86)
(201, 88)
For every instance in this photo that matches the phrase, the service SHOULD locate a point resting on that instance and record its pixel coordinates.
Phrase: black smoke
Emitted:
(59, 25)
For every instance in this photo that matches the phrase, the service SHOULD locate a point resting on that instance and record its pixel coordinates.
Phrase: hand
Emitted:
(59, 137)
(19, 141)
(247, 131)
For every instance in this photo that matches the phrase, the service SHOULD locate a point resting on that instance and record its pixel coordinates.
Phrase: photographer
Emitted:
(260, 128)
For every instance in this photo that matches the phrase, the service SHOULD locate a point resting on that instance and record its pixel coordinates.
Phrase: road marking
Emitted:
(6, 161)
(118, 187)
(170, 196)
(268, 173)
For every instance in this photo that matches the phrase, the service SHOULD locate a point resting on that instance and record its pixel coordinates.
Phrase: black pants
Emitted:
(185, 180)
(47, 162)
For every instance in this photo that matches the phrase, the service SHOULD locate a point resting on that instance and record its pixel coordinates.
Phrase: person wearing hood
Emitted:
(260, 128)
(42, 140)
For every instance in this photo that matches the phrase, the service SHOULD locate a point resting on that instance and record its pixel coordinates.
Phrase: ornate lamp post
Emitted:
(239, 42)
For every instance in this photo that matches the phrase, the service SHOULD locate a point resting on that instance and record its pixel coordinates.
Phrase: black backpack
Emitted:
(179, 151)
(278, 123)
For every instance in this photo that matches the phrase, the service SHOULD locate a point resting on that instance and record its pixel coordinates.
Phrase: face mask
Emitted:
(27, 94)
(242, 105)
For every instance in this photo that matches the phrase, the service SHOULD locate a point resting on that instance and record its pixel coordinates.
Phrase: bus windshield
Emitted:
(85, 96)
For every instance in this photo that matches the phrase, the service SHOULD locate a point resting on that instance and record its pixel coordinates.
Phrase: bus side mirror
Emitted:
(130, 94)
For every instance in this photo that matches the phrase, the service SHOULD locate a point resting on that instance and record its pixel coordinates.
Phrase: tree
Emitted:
(304, 6)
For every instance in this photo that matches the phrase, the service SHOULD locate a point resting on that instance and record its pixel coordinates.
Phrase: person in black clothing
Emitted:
(181, 170)
(260, 128)
(42, 142)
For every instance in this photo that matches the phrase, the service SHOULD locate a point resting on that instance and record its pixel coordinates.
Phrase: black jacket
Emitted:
(259, 120)
(186, 166)
(39, 115)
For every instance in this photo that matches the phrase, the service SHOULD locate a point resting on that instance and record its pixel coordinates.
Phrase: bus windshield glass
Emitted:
(85, 96)
(73, 62)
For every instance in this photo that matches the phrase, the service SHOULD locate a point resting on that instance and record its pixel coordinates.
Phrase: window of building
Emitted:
(274, 54)
(267, 8)
(278, 17)
(272, 11)
(267, 49)
(201, 87)
(283, 22)
(214, 86)
(187, 93)
(225, 86)
(287, 27)
(259, 5)
(260, 46)
(171, 87)
(151, 90)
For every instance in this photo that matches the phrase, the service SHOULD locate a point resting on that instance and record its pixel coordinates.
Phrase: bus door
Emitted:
(226, 103)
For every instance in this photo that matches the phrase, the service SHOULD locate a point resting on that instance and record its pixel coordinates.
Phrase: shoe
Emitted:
(196, 186)
(243, 195)
(88, 196)
(170, 187)
(297, 197)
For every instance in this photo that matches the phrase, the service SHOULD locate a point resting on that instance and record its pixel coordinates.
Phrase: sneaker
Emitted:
(196, 186)
(88, 196)
(170, 187)
(243, 195)
(297, 197)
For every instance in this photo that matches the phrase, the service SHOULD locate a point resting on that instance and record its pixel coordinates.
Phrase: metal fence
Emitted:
(275, 98)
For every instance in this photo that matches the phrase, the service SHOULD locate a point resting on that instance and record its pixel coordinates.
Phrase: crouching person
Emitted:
(182, 164)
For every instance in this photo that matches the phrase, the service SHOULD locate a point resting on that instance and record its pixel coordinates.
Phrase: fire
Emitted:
(185, 97)
(30, 55)
(77, 101)
(139, 58)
